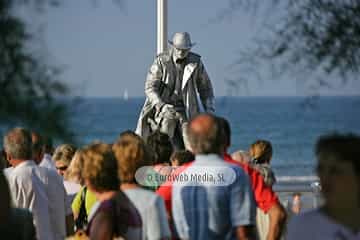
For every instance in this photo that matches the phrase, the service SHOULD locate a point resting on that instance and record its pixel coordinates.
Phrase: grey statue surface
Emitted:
(175, 83)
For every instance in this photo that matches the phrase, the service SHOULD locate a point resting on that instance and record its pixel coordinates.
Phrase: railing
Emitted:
(304, 191)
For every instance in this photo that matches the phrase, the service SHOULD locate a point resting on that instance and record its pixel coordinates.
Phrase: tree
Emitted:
(317, 39)
(29, 87)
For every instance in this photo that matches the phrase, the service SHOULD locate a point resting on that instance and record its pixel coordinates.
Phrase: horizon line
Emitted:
(223, 96)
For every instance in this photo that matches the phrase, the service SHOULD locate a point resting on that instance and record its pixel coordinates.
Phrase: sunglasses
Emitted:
(63, 168)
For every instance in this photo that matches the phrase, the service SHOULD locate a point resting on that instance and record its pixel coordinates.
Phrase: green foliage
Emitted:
(321, 34)
(310, 39)
(29, 87)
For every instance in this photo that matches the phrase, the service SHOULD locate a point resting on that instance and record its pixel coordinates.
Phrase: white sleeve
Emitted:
(157, 222)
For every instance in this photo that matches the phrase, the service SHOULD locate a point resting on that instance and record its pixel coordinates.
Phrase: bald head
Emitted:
(205, 134)
(202, 124)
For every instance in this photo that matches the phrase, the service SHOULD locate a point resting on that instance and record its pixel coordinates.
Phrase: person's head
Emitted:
(74, 171)
(205, 135)
(127, 133)
(181, 45)
(296, 203)
(17, 145)
(226, 129)
(37, 147)
(338, 168)
(100, 168)
(181, 157)
(160, 146)
(62, 156)
(131, 153)
(241, 156)
(261, 151)
(48, 147)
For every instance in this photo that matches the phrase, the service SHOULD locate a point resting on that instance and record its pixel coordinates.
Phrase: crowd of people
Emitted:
(97, 192)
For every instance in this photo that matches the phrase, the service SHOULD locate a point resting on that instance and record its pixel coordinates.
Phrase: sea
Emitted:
(291, 124)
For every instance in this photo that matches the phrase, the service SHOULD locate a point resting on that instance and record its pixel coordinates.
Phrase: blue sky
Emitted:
(106, 49)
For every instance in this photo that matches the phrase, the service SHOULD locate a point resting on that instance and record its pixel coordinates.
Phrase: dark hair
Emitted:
(160, 147)
(205, 134)
(48, 146)
(261, 151)
(225, 126)
(182, 156)
(345, 147)
(37, 143)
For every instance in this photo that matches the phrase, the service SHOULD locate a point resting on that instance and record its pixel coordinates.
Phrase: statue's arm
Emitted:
(205, 89)
(154, 84)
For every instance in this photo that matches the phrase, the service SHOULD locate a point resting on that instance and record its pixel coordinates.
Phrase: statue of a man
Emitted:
(175, 82)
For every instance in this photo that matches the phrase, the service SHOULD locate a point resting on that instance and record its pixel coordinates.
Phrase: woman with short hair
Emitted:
(131, 154)
(115, 217)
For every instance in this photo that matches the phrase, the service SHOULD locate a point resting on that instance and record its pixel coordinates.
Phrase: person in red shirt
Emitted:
(181, 160)
(265, 198)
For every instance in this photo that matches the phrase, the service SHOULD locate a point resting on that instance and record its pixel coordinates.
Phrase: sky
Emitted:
(106, 49)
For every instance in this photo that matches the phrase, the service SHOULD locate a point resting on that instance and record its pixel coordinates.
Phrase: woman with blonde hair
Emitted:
(131, 154)
(62, 157)
(115, 217)
(84, 200)
(261, 154)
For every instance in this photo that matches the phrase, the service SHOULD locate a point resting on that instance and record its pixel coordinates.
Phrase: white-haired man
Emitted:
(26, 181)
(174, 82)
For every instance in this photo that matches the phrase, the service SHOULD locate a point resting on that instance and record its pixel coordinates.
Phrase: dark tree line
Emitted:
(31, 92)
(29, 87)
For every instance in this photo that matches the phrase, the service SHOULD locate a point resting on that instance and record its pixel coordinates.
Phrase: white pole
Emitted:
(161, 25)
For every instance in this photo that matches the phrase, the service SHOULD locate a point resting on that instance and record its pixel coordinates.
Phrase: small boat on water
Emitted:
(126, 95)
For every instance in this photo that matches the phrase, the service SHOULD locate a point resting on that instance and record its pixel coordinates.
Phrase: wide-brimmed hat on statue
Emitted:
(182, 40)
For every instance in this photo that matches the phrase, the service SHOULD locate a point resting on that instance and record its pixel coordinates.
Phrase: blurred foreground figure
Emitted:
(172, 86)
(339, 171)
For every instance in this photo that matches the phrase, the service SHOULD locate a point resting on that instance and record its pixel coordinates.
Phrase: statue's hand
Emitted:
(168, 111)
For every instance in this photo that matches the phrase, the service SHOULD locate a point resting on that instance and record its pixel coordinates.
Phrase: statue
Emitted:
(176, 81)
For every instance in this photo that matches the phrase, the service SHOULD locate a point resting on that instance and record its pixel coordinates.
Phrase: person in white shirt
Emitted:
(60, 210)
(47, 162)
(15, 223)
(47, 149)
(25, 181)
(338, 168)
